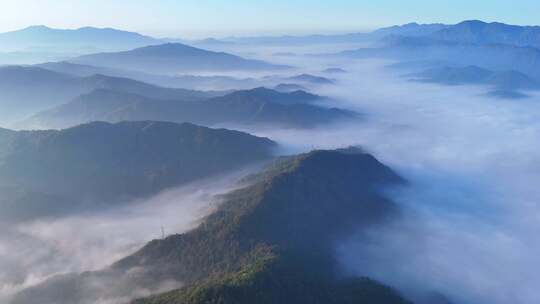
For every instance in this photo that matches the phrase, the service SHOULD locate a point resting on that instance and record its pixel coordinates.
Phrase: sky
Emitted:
(203, 18)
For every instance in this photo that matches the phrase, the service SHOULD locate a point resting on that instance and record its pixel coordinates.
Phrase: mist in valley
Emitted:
(34, 251)
(469, 213)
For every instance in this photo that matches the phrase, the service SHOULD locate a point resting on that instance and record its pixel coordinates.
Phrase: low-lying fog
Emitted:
(470, 214)
(32, 252)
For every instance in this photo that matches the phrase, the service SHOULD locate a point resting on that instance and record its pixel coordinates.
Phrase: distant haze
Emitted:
(167, 18)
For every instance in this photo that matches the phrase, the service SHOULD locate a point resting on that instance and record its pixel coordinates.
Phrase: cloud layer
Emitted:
(31, 252)
(471, 212)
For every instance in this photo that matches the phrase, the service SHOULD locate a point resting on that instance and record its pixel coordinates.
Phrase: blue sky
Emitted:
(198, 18)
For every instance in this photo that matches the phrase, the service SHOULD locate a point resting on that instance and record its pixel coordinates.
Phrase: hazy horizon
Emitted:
(216, 18)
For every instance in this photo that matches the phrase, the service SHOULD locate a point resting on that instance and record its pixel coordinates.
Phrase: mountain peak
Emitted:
(472, 22)
(37, 28)
(167, 49)
(173, 58)
(352, 162)
(475, 25)
(289, 215)
(263, 94)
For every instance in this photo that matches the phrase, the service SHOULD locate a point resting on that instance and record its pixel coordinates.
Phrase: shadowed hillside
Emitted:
(97, 164)
(270, 242)
(25, 90)
(257, 106)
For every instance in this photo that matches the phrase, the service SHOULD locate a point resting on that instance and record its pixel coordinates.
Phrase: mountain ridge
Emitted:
(25, 90)
(131, 159)
(265, 237)
(489, 56)
(174, 58)
(39, 36)
(499, 80)
(480, 32)
(257, 106)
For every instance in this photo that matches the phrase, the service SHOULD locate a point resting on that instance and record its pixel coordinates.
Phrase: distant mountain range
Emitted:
(308, 78)
(471, 31)
(334, 71)
(150, 54)
(498, 57)
(92, 39)
(27, 90)
(38, 44)
(288, 87)
(419, 65)
(62, 100)
(86, 39)
(300, 40)
(272, 241)
(493, 46)
(413, 29)
(99, 165)
(257, 106)
(479, 32)
(174, 81)
(410, 29)
(505, 81)
(300, 81)
(196, 82)
(173, 58)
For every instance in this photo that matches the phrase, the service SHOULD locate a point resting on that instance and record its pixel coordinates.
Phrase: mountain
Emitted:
(194, 82)
(479, 32)
(262, 94)
(507, 94)
(272, 241)
(299, 81)
(288, 87)
(505, 80)
(497, 57)
(147, 90)
(83, 39)
(265, 106)
(173, 58)
(410, 29)
(312, 79)
(301, 40)
(334, 71)
(257, 106)
(99, 164)
(34, 56)
(212, 41)
(79, 70)
(470, 31)
(25, 90)
(453, 75)
(419, 65)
